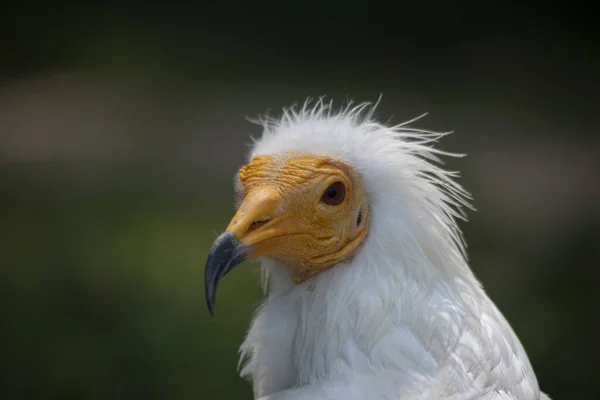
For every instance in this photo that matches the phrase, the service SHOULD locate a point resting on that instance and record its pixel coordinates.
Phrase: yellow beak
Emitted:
(256, 230)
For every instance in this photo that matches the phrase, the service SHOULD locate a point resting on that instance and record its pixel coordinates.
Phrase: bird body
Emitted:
(398, 316)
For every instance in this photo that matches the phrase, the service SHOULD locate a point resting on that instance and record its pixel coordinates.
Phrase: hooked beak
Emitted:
(251, 233)
(225, 254)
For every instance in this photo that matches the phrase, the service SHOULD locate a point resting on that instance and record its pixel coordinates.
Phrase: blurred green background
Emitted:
(121, 127)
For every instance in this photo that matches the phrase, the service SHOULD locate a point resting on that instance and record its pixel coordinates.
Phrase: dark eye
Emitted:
(334, 194)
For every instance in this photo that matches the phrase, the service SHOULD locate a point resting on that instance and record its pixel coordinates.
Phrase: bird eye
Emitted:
(334, 194)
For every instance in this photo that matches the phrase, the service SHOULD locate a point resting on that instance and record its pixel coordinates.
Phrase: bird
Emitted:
(369, 292)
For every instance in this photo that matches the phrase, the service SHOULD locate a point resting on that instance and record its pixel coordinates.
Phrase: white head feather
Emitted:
(405, 312)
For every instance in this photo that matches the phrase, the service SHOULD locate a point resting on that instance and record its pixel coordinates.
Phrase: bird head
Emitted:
(317, 183)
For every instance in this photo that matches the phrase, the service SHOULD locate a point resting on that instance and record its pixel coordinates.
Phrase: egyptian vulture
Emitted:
(370, 295)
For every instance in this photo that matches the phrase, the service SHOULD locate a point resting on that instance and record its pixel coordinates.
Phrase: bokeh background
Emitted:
(121, 127)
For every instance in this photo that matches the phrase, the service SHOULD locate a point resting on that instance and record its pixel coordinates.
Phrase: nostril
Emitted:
(258, 224)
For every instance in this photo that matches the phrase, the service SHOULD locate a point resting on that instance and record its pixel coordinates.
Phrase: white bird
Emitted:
(370, 295)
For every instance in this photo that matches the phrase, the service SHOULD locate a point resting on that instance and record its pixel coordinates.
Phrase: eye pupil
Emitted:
(334, 194)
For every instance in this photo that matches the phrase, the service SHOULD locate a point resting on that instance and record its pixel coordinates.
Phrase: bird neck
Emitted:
(370, 312)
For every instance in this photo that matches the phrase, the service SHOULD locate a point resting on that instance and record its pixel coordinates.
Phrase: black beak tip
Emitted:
(225, 254)
(211, 308)
(210, 299)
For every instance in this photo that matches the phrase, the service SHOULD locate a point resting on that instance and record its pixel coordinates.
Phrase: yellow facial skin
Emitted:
(285, 215)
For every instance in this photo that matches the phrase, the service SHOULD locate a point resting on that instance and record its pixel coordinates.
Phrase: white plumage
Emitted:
(404, 318)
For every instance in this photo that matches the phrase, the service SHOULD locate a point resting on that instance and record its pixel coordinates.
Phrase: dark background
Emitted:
(121, 127)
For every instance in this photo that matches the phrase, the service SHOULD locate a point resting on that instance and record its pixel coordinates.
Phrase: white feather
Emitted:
(404, 318)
